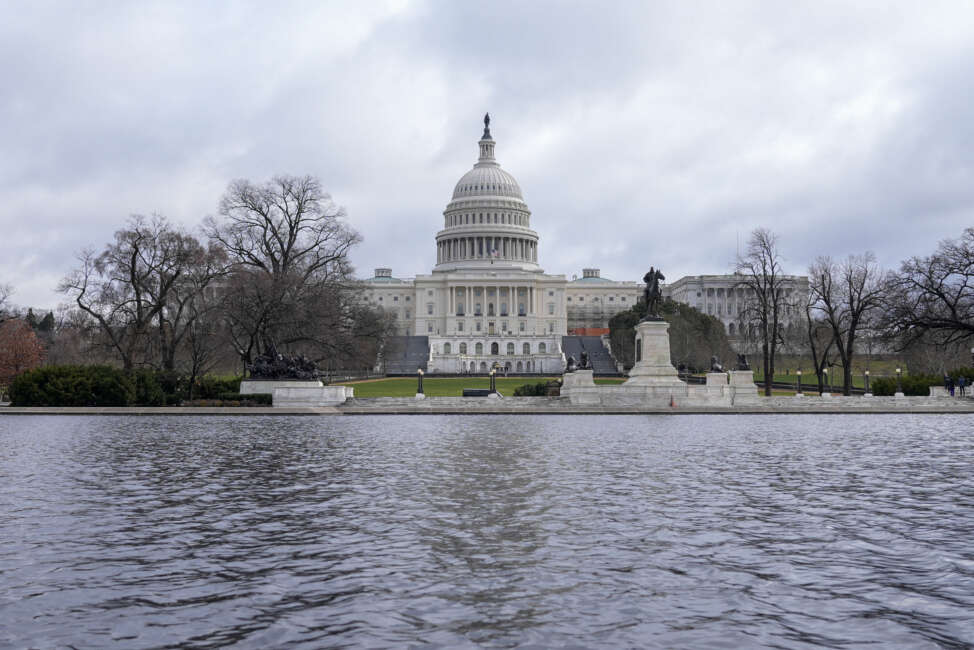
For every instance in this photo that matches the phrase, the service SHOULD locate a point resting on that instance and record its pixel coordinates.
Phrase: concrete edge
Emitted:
(494, 410)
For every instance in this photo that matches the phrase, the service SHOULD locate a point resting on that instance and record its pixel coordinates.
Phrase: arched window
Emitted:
(542, 348)
(520, 367)
(483, 366)
(527, 348)
(494, 348)
(463, 348)
(510, 348)
(479, 348)
(446, 348)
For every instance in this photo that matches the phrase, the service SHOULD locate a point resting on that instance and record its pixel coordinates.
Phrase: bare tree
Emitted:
(847, 295)
(194, 296)
(126, 287)
(934, 295)
(821, 340)
(5, 292)
(290, 284)
(763, 279)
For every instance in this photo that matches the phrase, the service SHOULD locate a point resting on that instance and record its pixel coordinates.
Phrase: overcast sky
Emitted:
(645, 133)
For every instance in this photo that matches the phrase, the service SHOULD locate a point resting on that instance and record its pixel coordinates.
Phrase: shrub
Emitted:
(211, 387)
(148, 391)
(539, 389)
(916, 385)
(263, 399)
(73, 386)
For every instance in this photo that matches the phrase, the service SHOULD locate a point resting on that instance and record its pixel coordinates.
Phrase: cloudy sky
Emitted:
(642, 133)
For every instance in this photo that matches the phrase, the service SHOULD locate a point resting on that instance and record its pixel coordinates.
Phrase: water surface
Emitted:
(580, 531)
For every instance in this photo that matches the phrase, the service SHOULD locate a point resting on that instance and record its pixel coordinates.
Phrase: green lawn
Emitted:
(445, 386)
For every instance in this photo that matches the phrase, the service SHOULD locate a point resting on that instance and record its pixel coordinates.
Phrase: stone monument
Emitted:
(653, 367)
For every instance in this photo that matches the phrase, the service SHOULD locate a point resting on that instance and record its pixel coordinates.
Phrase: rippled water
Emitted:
(611, 531)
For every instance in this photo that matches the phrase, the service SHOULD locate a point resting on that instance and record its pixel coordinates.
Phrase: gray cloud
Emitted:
(641, 133)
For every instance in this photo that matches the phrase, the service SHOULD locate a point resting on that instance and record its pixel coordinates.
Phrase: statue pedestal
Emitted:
(251, 386)
(653, 367)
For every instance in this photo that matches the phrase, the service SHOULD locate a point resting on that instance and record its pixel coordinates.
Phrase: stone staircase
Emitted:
(602, 362)
(403, 355)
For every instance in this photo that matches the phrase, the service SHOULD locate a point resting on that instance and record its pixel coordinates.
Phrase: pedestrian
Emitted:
(961, 383)
(950, 386)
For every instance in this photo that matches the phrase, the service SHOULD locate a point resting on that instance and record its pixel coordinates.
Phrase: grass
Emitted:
(444, 386)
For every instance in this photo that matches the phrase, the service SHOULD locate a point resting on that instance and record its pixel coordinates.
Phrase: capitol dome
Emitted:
(487, 222)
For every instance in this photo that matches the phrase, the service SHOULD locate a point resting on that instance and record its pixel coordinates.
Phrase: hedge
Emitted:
(264, 399)
(108, 386)
(74, 386)
(917, 385)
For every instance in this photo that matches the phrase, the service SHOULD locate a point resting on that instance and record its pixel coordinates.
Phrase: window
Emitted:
(521, 325)
(459, 325)
(460, 309)
(504, 326)
(446, 348)
(479, 348)
(407, 313)
(429, 308)
(510, 348)
(611, 299)
(622, 299)
(569, 299)
(407, 298)
(478, 326)
(503, 309)
(429, 292)
(581, 299)
(551, 308)
(526, 348)
(490, 309)
(520, 309)
(477, 309)
(494, 348)
(542, 348)
(551, 327)
(551, 293)
(380, 298)
(429, 328)
(463, 348)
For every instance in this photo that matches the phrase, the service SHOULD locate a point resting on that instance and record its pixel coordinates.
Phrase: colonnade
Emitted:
(478, 247)
(464, 301)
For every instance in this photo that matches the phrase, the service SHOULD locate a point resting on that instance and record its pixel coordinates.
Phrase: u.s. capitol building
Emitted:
(488, 302)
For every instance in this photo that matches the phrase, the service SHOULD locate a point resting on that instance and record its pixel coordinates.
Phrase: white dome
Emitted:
(487, 180)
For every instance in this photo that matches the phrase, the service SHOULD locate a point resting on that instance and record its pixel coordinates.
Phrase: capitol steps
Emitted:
(602, 362)
(403, 355)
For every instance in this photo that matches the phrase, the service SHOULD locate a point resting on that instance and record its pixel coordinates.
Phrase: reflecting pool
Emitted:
(586, 531)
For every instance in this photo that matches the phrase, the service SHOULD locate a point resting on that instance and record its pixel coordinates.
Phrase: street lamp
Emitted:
(825, 371)
(799, 390)
(899, 386)
(867, 380)
(493, 383)
(419, 376)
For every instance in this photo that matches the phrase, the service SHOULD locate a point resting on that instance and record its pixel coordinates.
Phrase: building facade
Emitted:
(488, 302)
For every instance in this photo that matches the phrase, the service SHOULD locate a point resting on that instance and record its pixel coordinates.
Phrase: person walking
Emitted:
(950, 386)
(961, 383)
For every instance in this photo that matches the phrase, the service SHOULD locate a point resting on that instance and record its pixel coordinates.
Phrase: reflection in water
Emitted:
(496, 530)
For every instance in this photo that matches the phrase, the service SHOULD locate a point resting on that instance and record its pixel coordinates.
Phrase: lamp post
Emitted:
(798, 391)
(825, 371)
(493, 384)
(899, 386)
(867, 380)
(419, 376)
